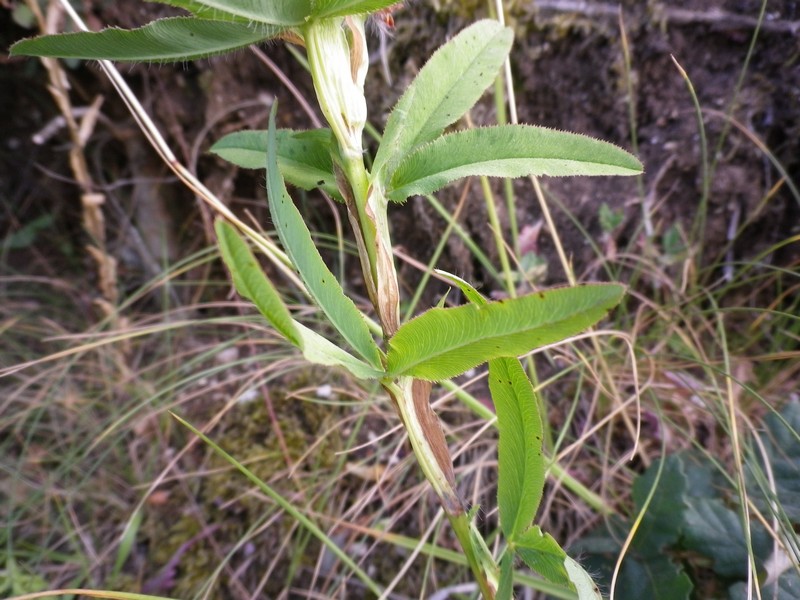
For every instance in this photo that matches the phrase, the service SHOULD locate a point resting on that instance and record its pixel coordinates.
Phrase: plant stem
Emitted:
(412, 401)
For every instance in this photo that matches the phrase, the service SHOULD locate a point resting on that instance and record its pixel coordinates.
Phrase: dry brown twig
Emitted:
(79, 131)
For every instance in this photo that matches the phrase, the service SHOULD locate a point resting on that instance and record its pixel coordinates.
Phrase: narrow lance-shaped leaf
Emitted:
(320, 282)
(521, 466)
(447, 86)
(165, 40)
(304, 157)
(444, 342)
(285, 13)
(506, 151)
(251, 282)
(342, 8)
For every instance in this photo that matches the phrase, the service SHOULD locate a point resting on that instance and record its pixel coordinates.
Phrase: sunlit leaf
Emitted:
(543, 555)
(506, 151)
(251, 282)
(444, 342)
(449, 84)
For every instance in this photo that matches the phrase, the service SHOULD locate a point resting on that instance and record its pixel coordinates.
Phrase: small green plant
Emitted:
(690, 540)
(415, 156)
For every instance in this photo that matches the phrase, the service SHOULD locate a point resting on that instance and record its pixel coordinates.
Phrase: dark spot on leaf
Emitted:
(320, 182)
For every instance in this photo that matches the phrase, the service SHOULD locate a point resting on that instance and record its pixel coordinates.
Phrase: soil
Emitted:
(569, 72)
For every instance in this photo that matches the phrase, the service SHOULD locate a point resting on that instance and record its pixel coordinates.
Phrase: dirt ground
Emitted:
(569, 71)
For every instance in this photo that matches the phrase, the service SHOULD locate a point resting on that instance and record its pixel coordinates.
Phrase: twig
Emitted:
(679, 16)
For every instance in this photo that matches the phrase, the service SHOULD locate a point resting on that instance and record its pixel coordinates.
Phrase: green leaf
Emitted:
(449, 84)
(506, 151)
(165, 40)
(251, 282)
(321, 351)
(444, 342)
(662, 523)
(658, 579)
(320, 282)
(304, 157)
(466, 288)
(716, 531)
(342, 8)
(543, 555)
(520, 461)
(781, 439)
(285, 13)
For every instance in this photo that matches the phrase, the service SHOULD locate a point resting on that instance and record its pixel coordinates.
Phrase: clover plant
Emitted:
(416, 156)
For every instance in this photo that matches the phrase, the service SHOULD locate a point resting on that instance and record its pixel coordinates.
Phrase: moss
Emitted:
(230, 506)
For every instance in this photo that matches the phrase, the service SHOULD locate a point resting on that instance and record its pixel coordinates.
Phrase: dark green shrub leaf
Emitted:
(445, 88)
(661, 524)
(444, 342)
(712, 529)
(506, 151)
(304, 157)
(656, 579)
(165, 40)
(781, 439)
